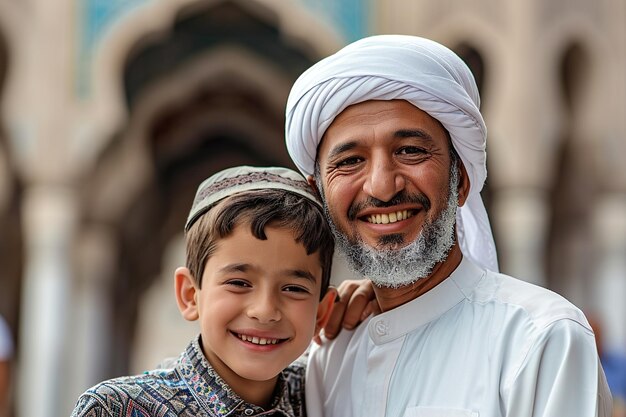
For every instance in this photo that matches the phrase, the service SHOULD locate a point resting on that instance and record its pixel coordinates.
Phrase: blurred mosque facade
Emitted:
(113, 111)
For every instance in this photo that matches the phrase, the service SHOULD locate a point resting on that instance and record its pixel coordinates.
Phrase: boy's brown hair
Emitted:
(258, 209)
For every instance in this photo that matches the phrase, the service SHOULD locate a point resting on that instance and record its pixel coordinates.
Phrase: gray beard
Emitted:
(398, 267)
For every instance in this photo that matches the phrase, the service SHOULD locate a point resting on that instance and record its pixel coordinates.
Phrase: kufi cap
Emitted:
(239, 179)
(399, 67)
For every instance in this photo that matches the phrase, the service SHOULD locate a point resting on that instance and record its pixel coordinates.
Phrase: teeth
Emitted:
(389, 218)
(257, 340)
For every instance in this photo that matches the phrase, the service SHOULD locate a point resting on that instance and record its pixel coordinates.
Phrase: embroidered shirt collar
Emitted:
(395, 323)
(216, 397)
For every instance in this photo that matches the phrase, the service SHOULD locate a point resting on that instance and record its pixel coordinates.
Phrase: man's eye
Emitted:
(411, 150)
(349, 161)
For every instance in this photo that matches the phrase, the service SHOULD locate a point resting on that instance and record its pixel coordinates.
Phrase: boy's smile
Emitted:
(258, 340)
(257, 307)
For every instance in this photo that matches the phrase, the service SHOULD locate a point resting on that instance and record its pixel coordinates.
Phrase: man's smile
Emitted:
(386, 218)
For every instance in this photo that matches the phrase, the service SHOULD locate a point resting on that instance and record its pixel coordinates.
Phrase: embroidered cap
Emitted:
(245, 178)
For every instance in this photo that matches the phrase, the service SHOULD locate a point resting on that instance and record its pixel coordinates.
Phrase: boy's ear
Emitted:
(186, 294)
(324, 309)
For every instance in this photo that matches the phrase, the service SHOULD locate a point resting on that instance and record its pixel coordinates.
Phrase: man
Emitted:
(6, 355)
(390, 133)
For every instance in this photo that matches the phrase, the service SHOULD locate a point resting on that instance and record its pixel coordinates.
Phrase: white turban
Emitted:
(397, 67)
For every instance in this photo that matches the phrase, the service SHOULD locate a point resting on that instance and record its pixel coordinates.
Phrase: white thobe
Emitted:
(479, 344)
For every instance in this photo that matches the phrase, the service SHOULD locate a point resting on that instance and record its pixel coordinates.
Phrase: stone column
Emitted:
(91, 324)
(609, 222)
(5, 181)
(524, 120)
(520, 217)
(49, 223)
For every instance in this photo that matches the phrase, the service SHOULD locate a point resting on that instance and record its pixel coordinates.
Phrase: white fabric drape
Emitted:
(399, 67)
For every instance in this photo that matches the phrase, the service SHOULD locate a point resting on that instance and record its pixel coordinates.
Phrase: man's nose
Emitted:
(384, 180)
(264, 308)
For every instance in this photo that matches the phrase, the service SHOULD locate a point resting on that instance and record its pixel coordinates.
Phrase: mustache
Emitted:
(402, 197)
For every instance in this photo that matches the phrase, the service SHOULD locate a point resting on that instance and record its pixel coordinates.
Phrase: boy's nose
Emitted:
(383, 180)
(264, 309)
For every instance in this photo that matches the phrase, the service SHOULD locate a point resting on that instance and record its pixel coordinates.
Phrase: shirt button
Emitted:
(248, 411)
(382, 328)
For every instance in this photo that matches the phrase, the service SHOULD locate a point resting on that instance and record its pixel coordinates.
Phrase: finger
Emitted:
(372, 309)
(367, 311)
(347, 288)
(358, 305)
(333, 326)
(375, 306)
(346, 291)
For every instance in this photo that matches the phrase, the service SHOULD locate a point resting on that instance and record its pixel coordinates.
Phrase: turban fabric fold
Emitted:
(398, 67)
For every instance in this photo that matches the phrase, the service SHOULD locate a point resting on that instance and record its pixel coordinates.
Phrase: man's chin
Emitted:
(389, 242)
(392, 241)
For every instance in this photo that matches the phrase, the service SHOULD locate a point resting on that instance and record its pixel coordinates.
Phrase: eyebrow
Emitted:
(399, 134)
(298, 273)
(412, 133)
(235, 268)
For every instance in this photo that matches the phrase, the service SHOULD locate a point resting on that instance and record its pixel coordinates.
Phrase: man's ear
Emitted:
(324, 309)
(186, 294)
(464, 183)
(311, 180)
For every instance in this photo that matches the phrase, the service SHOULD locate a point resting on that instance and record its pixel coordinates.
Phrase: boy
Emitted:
(259, 254)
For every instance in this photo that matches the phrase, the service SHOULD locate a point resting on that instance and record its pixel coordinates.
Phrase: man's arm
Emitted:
(355, 302)
(560, 376)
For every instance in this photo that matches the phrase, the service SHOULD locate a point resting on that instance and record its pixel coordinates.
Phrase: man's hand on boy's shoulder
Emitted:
(355, 302)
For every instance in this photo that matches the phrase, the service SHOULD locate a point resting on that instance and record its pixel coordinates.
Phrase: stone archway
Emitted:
(158, 19)
(11, 241)
(570, 249)
(204, 97)
(11, 255)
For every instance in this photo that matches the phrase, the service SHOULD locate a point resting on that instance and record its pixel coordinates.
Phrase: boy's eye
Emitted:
(240, 283)
(296, 289)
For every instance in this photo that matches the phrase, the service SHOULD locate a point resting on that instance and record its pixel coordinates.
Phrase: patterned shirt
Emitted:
(189, 388)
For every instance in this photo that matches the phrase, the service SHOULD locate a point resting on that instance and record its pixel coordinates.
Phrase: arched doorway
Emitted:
(208, 95)
(570, 246)
(11, 241)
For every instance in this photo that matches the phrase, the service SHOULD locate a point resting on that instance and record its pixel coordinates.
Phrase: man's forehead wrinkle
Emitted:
(365, 113)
